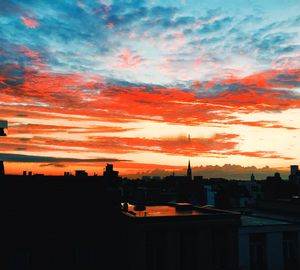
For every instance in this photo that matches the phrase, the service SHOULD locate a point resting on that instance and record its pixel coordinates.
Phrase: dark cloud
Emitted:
(57, 165)
(43, 159)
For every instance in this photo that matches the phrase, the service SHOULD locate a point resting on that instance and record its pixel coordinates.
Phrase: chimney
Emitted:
(24, 173)
(30, 173)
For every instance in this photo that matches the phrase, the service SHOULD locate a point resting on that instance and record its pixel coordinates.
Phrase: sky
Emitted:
(149, 85)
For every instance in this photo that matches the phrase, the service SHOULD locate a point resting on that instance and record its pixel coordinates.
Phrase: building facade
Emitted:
(181, 236)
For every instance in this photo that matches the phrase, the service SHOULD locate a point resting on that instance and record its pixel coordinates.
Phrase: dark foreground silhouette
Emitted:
(60, 223)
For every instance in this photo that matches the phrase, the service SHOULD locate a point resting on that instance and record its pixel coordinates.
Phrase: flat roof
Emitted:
(173, 210)
(162, 211)
(261, 221)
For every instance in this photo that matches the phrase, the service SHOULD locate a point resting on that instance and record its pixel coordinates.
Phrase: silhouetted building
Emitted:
(59, 223)
(283, 207)
(275, 188)
(294, 169)
(81, 173)
(276, 177)
(198, 178)
(252, 179)
(253, 193)
(109, 171)
(181, 236)
(294, 176)
(110, 176)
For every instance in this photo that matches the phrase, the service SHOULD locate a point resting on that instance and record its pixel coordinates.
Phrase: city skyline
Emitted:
(149, 85)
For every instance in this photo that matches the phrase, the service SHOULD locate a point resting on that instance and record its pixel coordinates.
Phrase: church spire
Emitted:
(189, 171)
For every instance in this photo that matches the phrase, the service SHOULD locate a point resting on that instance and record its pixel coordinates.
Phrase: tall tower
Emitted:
(189, 172)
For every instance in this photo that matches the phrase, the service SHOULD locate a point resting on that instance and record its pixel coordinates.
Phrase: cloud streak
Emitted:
(45, 159)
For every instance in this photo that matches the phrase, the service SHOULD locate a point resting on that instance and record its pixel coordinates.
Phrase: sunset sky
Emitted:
(149, 84)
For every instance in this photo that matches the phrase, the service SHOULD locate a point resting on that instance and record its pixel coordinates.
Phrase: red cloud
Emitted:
(264, 124)
(28, 52)
(29, 22)
(36, 59)
(120, 145)
(216, 146)
(270, 79)
(79, 94)
(47, 95)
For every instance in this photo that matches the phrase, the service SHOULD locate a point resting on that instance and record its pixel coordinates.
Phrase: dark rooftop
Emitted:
(162, 210)
(174, 210)
(261, 221)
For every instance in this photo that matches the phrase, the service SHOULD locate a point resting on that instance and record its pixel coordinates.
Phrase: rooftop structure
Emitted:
(201, 237)
(165, 211)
